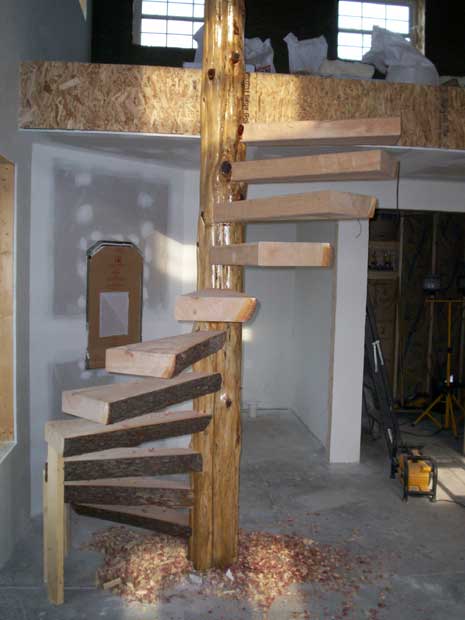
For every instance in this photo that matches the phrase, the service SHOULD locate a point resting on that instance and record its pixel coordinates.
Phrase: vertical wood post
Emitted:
(216, 489)
(55, 526)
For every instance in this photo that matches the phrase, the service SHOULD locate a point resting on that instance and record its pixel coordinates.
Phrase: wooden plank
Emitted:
(217, 305)
(274, 254)
(164, 520)
(127, 462)
(7, 179)
(55, 535)
(354, 166)
(166, 357)
(112, 403)
(72, 437)
(325, 205)
(44, 525)
(366, 131)
(129, 492)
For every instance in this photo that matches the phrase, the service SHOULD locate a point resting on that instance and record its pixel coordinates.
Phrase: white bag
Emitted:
(306, 55)
(394, 55)
(260, 54)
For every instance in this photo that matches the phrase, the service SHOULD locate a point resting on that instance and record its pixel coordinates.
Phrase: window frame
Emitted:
(412, 4)
(138, 16)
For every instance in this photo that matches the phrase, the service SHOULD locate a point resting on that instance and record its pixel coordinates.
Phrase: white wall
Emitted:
(46, 30)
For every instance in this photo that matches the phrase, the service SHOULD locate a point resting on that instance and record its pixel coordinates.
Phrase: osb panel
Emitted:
(455, 119)
(276, 97)
(56, 95)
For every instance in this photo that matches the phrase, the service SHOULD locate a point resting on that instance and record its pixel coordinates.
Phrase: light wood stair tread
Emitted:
(128, 462)
(352, 166)
(76, 436)
(215, 305)
(112, 403)
(164, 520)
(166, 357)
(324, 205)
(273, 254)
(365, 131)
(129, 491)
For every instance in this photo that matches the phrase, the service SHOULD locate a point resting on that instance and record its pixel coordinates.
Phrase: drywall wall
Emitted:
(312, 335)
(46, 30)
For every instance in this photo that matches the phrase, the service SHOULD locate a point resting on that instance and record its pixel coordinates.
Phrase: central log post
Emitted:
(216, 490)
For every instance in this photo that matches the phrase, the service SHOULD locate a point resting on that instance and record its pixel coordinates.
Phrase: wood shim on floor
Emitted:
(215, 305)
(324, 205)
(164, 520)
(165, 357)
(273, 254)
(129, 492)
(369, 165)
(127, 462)
(365, 131)
(72, 437)
(112, 403)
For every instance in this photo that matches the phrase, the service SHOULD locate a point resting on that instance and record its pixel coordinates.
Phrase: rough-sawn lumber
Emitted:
(72, 437)
(215, 305)
(164, 520)
(129, 492)
(274, 254)
(127, 462)
(325, 205)
(166, 357)
(112, 403)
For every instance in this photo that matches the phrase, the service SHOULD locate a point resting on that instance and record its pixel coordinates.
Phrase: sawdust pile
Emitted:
(143, 567)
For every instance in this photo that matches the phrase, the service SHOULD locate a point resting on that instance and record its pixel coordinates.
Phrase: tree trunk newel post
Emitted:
(214, 518)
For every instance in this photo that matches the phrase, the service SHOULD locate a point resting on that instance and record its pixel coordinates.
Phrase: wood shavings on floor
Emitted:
(142, 567)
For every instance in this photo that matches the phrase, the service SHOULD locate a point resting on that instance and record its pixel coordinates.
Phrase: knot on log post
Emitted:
(211, 74)
(235, 57)
(226, 168)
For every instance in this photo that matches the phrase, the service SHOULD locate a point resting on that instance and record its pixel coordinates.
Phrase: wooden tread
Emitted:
(325, 205)
(166, 357)
(129, 492)
(72, 437)
(163, 520)
(355, 166)
(112, 403)
(273, 254)
(127, 462)
(365, 131)
(215, 305)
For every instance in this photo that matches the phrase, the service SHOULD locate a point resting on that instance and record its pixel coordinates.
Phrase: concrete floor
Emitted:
(287, 487)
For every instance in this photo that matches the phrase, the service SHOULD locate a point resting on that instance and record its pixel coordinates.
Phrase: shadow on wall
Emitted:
(91, 205)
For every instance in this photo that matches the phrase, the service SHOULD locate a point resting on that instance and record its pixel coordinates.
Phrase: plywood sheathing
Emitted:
(166, 100)
(94, 97)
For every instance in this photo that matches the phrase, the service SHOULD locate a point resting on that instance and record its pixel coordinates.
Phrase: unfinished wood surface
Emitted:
(216, 491)
(7, 177)
(325, 205)
(129, 492)
(274, 254)
(112, 403)
(324, 133)
(127, 462)
(217, 305)
(355, 166)
(166, 100)
(154, 518)
(55, 527)
(72, 437)
(166, 357)
(44, 526)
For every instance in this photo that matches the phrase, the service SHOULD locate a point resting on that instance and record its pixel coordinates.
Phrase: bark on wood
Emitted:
(112, 403)
(215, 513)
(154, 518)
(325, 205)
(215, 305)
(124, 462)
(129, 492)
(73, 437)
(166, 357)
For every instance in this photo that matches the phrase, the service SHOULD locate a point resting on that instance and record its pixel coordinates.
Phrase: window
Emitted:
(356, 21)
(167, 24)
